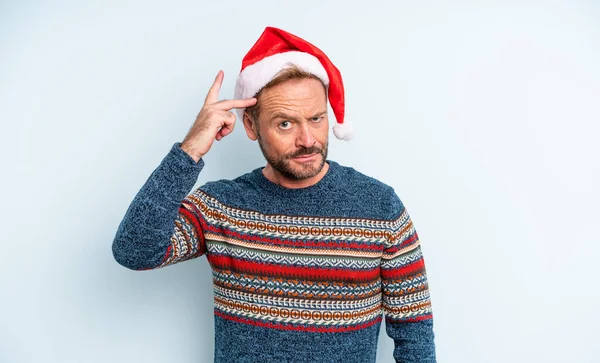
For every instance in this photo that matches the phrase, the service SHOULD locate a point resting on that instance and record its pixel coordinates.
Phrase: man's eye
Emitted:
(285, 125)
(317, 119)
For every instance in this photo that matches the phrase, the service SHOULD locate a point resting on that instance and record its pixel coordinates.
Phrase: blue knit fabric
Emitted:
(144, 239)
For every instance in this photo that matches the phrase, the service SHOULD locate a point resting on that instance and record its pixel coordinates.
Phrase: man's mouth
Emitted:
(305, 157)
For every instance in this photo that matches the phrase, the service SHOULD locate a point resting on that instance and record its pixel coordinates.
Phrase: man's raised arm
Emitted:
(162, 226)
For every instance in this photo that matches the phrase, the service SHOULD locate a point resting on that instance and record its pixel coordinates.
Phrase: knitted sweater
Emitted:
(299, 275)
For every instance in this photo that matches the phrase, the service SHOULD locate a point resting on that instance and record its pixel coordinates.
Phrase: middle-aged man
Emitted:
(307, 255)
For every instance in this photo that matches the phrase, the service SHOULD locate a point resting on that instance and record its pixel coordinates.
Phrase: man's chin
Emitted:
(304, 168)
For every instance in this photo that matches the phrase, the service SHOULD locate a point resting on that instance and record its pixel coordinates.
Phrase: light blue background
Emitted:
(483, 116)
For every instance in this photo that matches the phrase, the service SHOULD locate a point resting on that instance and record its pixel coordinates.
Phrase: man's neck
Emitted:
(276, 177)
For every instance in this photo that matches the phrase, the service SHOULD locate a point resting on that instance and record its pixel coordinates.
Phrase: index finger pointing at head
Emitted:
(213, 92)
(241, 103)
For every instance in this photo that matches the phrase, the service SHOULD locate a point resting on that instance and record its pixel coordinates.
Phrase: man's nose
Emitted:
(305, 136)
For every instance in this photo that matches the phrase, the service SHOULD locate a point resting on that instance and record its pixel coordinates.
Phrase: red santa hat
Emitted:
(275, 50)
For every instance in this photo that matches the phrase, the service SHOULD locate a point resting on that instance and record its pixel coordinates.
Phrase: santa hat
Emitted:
(275, 50)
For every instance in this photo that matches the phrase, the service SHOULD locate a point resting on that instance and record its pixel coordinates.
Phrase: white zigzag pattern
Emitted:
(402, 259)
(407, 299)
(300, 287)
(283, 302)
(292, 260)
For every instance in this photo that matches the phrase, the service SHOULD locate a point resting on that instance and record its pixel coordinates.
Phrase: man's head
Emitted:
(290, 123)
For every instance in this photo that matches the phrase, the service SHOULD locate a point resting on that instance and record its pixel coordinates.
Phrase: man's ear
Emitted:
(250, 127)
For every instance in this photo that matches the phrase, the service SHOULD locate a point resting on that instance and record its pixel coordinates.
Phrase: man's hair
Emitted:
(292, 72)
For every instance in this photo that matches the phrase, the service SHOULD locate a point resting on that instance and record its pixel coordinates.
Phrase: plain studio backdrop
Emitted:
(482, 115)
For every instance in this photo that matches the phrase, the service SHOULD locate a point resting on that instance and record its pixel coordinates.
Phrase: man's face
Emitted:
(293, 129)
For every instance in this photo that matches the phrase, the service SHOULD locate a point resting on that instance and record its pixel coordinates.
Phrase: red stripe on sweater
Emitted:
(191, 217)
(167, 254)
(228, 262)
(403, 271)
(404, 244)
(410, 320)
(197, 228)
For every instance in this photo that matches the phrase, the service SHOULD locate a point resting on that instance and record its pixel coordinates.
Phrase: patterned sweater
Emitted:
(299, 275)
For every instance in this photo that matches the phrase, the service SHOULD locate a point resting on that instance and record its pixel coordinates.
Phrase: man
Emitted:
(307, 255)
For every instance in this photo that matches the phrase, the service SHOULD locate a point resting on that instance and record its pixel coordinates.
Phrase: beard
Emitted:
(283, 163)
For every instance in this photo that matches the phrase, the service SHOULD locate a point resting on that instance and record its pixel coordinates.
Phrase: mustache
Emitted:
(306, 151)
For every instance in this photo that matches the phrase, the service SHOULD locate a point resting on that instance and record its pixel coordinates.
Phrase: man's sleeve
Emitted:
(406, 302)
(162, 226)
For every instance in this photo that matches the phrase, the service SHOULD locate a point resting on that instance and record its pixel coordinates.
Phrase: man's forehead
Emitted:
(293, 92)
(285, 108)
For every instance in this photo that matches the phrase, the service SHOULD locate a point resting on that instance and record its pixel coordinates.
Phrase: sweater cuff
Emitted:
(177, 173)
(182, 156)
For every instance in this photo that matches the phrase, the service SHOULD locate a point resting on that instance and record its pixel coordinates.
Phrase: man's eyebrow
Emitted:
(277, 115)
(319, 114)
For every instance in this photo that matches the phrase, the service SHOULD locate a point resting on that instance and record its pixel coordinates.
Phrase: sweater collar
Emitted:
(327, 183)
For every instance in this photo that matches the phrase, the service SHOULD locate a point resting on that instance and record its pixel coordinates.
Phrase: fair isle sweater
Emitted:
(299, 275)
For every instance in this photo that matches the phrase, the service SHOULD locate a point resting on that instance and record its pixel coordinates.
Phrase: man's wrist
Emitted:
(196, 156)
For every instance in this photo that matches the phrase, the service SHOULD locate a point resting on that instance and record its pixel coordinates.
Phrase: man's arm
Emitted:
(160, 227)
(406, 302)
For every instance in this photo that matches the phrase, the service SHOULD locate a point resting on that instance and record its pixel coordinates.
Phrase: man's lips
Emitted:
(305, 157)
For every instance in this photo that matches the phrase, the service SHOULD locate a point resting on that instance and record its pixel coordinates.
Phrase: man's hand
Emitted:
(214, 121)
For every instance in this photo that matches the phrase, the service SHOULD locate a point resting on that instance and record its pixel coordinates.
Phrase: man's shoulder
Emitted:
(355, 179)
(370, 192)
(228, 190)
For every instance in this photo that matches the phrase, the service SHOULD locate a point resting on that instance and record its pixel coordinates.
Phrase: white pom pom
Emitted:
(343, 131)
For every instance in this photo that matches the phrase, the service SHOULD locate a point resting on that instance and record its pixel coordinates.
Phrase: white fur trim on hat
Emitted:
(343, 131)
(255, 76)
